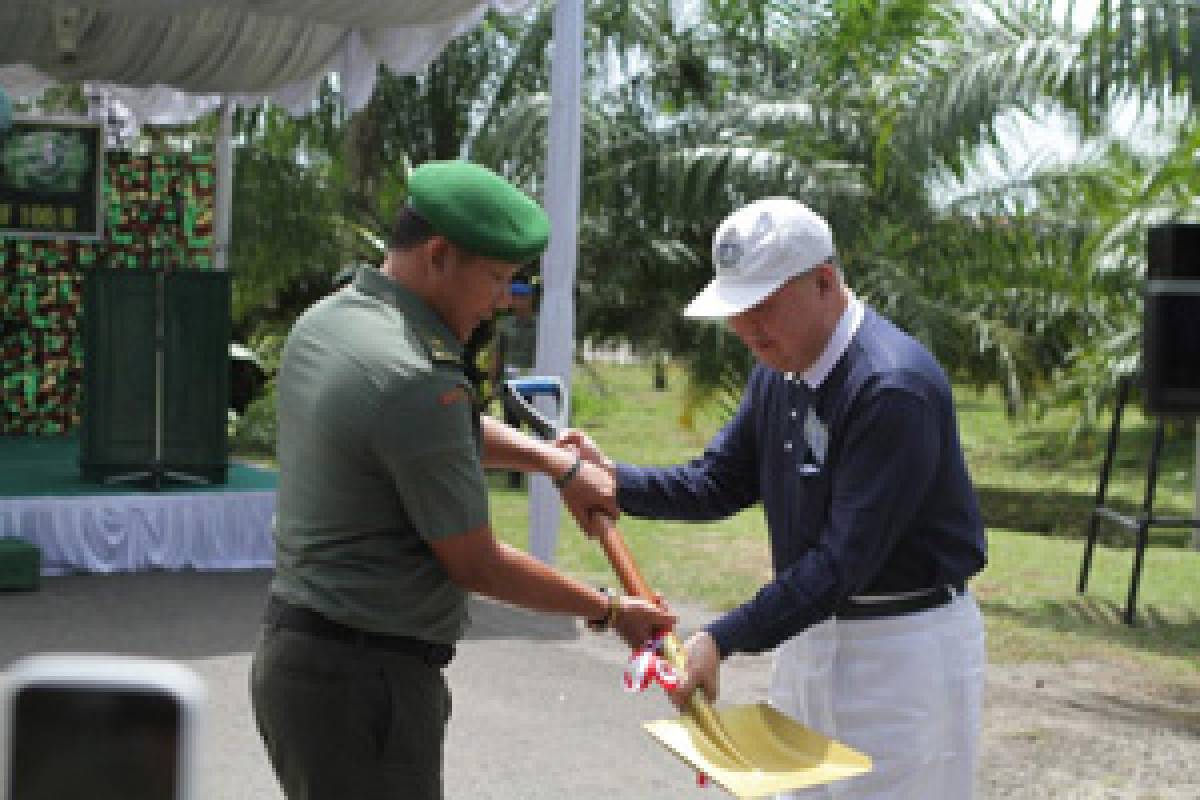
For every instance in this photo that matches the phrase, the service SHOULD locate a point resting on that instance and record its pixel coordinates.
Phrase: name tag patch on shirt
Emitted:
(816, 435)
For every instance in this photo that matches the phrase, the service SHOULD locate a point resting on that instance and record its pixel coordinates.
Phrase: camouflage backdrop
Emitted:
(159, 211)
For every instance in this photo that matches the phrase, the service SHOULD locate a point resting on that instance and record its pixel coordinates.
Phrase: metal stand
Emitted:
(1141, 523)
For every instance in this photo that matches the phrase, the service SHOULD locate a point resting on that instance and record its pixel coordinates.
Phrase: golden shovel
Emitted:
(752, 750)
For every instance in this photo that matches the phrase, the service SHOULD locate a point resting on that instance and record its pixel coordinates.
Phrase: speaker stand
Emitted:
(1140, 523)
(156, 475)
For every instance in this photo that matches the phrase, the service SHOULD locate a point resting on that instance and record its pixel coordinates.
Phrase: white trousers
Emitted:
(905, 690)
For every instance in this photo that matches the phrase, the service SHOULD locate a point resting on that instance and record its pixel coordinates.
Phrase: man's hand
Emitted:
(581, 443)
(594, 487)
(703, 670)
(638, 620)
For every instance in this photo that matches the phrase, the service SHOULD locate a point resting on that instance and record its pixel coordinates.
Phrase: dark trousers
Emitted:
(342, 722)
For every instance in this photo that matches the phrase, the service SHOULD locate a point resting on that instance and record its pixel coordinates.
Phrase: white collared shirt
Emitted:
(843, 332)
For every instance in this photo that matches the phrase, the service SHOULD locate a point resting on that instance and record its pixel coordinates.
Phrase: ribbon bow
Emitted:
(647, 666)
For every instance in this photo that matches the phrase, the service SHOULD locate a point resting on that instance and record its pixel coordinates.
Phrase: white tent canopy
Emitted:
(172, 60)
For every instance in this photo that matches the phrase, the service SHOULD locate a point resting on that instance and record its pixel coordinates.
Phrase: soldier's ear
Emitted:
(439, 252)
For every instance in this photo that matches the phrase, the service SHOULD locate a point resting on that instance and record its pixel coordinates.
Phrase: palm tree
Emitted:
(891, 95)
(328, 183)
(855, 106)
(1083, 225)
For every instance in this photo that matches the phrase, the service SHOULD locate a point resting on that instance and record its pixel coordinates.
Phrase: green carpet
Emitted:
(49, 465)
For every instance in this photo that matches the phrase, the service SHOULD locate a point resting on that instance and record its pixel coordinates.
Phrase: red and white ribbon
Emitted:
(647, 666)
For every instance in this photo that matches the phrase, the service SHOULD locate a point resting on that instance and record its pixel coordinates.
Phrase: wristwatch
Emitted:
(571, 472)
(601, 624)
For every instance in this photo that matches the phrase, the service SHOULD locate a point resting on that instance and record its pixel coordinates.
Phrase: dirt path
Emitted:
(1078, 731)
(1087, 730)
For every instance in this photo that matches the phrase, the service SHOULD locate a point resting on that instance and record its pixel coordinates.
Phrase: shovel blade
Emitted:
(774, 752)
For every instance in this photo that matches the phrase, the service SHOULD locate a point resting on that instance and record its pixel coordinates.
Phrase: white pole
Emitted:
(556, 321)
(223, 201)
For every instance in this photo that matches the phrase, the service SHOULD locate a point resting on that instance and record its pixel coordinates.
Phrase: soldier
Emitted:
(382, 518)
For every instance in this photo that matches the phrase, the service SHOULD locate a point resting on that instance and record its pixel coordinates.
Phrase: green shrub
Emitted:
(591, 401)
(254, 432)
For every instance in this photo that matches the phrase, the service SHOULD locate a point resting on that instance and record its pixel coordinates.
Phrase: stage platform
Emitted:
(88, 527)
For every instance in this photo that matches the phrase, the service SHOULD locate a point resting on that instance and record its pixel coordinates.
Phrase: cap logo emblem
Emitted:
(729, 253)
(762, 226)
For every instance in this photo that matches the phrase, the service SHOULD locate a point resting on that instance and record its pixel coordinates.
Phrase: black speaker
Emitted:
(1173, 252)
(155, 375)
(1171, 320)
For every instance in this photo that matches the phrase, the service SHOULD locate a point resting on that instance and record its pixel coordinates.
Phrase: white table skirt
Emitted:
(127, 533)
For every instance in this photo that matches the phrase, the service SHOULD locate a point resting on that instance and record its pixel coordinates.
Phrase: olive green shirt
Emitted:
(378, 456)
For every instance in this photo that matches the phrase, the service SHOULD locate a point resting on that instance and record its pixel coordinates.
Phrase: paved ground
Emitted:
(538, 707)
(539, 712)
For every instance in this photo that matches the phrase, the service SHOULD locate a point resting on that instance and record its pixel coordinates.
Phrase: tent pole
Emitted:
(223, 201)
(556, 320)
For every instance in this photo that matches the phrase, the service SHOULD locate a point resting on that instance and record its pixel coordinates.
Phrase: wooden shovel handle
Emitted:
(632, 581)
(621, 559)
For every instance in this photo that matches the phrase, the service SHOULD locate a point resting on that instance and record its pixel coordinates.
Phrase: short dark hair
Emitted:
(409, 230)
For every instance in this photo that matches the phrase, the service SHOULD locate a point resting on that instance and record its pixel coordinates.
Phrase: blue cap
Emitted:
(521, 289)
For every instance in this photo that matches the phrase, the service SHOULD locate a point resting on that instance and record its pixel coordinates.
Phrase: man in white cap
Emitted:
(846, 434)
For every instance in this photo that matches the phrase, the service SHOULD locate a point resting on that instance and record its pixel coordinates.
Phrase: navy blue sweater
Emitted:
(889, 508)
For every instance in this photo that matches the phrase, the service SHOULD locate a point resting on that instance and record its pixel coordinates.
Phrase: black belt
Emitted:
(281, 614)
(864, 608)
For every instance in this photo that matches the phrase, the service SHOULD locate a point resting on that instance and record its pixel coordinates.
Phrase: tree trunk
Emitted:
(660, 373)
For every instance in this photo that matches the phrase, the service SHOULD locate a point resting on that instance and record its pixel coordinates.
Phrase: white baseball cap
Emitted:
(756, 249)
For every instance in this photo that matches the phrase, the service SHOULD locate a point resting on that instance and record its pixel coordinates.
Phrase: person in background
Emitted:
(382, 524)
(846, 434)
(514, 349)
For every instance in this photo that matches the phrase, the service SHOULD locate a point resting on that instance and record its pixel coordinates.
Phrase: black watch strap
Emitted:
(571, 472)
(601, 624)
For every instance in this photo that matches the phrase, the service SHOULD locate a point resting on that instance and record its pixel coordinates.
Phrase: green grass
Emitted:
(1032, 478)
(1036, 488)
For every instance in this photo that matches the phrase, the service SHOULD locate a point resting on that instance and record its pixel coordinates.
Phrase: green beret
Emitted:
(478, 210)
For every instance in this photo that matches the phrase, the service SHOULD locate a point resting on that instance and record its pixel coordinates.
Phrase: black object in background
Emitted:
(1171, 320)
(1173, 251)
(155, 375)
(77, 743)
